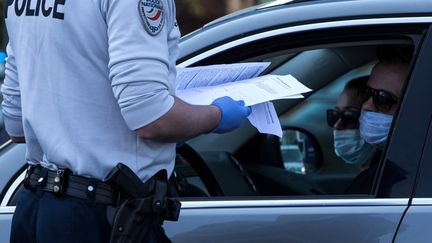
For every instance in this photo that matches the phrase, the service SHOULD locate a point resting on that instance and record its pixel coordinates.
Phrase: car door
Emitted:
(322, 218)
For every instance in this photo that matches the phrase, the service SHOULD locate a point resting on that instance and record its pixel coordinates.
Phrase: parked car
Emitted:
(235, 188)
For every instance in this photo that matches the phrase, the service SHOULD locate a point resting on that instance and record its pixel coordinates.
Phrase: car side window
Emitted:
(304, 161)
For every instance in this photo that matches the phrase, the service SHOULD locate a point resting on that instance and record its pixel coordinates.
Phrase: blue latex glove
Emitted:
(3, 56)
(232, 113)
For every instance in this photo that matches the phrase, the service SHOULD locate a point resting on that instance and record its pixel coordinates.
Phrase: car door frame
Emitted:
(414, 226)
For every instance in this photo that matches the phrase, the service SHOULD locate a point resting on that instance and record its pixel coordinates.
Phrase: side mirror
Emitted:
(300, 152)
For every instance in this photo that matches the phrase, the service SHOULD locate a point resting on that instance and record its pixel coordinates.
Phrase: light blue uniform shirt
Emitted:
(83, 75)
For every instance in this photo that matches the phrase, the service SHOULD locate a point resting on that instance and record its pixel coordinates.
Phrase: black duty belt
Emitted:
(64, 183)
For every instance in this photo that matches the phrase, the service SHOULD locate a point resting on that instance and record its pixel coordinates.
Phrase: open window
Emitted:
(303, 162)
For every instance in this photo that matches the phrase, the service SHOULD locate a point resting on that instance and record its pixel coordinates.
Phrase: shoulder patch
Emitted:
(152, 14)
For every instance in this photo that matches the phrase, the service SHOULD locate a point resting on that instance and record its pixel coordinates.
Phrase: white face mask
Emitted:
(374, 127)
(351, 147)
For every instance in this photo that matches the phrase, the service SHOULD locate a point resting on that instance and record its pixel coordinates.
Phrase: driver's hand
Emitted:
(232, 113)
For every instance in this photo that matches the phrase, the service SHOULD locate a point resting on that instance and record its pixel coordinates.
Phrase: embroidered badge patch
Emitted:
(152, 14)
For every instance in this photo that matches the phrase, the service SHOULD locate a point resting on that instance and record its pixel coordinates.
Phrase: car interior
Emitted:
(245, 163)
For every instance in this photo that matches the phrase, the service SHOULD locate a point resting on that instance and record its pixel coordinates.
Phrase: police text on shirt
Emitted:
(37, 8)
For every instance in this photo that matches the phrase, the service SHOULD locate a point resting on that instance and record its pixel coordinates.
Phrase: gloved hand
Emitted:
(232, 113)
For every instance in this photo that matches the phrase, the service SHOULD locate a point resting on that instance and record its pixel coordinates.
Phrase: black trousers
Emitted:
(47, 218)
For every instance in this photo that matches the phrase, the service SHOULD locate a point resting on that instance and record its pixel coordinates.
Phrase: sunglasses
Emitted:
(383, 100)
(349, 118)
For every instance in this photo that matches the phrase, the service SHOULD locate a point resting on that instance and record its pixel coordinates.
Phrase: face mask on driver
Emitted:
(351, 147)
(374, 127)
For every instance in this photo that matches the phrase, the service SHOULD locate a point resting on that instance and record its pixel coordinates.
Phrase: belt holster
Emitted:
(29, 171)
(146, 205)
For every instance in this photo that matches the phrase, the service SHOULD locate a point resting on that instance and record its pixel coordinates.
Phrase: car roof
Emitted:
(288, 13)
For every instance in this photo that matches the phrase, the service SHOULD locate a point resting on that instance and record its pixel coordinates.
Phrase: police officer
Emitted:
(90, 84)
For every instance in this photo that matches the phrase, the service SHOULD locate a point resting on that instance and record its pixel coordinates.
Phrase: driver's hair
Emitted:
(395, 54)
(357, 85)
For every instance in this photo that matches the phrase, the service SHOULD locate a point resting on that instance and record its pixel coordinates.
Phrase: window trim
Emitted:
(301, 28)
(5, 144)
(277, 203)
(421, 202)
(268, 203)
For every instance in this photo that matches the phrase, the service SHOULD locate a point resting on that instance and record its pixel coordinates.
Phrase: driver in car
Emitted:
(382, 93)
(381, 97)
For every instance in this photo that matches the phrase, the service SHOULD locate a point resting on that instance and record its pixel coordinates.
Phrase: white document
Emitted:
(205, 76)
(265, 119)
(252, 91)
(202, 85)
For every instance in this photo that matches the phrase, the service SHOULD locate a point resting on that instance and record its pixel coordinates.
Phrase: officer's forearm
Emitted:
(181, 122)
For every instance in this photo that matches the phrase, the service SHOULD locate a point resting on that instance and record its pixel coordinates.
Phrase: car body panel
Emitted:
(5, 223)
(302, 221)
(12, 160)
(415, 226)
